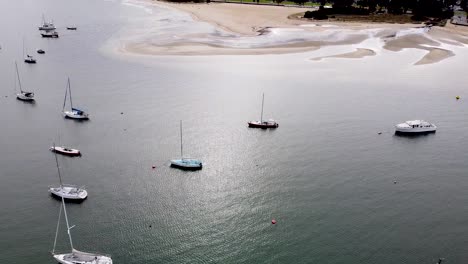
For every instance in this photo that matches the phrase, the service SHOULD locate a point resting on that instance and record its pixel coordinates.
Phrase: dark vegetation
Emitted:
(381, 10)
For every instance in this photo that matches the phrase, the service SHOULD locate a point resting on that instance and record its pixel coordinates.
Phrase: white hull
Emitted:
(415, 130)
(69, 192)
(77, 257)
(415, 127)
(23, 97)
(73, 115)
(66, 151)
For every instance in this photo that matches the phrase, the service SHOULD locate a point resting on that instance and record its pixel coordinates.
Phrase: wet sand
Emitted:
(252, 20)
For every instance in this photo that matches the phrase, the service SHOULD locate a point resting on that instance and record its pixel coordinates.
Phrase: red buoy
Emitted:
(273, 221)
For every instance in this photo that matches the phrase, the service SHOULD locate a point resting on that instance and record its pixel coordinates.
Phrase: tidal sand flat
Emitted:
(236, 29)
(358, 53)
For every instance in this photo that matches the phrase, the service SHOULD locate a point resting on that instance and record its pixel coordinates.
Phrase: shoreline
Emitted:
(254, 21)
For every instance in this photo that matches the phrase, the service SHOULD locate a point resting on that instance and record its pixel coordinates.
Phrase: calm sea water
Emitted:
(325, 174)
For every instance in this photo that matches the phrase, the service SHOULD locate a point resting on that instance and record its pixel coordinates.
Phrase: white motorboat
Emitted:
(75, 256)
(65, 151)
(185, 163)
(30, 59)
(69, 192)
(263, 123)
(50, 34)
(415, 127)
(73, 113)
(23, 95)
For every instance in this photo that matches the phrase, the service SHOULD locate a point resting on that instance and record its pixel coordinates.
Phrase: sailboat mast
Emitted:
(58, 168)
(69, 88)
(65, 99)
(66, 220)
(17, 74)
(56, 231)
(261, 115)
(181, 144)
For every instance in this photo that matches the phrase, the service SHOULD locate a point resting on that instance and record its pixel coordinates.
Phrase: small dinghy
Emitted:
(74, 113)
(415, 127)
(23, 95)
(185, 163)
(65, 151)
(71, 28)
(40, 51)
(263, 123)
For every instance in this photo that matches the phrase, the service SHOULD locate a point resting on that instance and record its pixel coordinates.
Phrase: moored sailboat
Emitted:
(74, 113)
(185, 163)
(263, 123)
(23, 95)
(67, 191)
(76, 256)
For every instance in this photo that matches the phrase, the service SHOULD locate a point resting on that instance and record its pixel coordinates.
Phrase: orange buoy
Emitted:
(273, 221)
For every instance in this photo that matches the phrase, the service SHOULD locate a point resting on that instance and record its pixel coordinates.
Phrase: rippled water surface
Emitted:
(325, 174)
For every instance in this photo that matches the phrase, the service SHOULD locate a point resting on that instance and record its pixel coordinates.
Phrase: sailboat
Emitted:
(185, 163)
(67, 191)
(74, 113)
(65, 151)
(23, 95)
(263, 123)
(46, 25)
(75, 256)
(29, 58)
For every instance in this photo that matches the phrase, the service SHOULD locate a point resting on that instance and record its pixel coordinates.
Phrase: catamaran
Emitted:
(75, 256)
(23, 95)
(185, 163)
(263, 123)
(67, 191)
(74, 113)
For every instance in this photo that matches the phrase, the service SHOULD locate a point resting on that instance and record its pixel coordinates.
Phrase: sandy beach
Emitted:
(252, 22)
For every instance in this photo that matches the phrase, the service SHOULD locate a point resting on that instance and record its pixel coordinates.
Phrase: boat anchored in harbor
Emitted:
(67, 191)
(23, 95)
(74, 113)
(185, 163)
(65, 151)
(46, 25)
(263, 123)
(50, 34)
(415, 127)
(75, 256)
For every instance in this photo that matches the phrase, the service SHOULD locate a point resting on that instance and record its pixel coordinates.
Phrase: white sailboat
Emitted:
(23, 95)
(74, 113)
(75, 256)
(263, 123)
(46, 25)
(67, 191)
(185, 163)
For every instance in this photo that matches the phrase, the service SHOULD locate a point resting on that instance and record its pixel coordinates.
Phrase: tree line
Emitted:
(419, 8)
